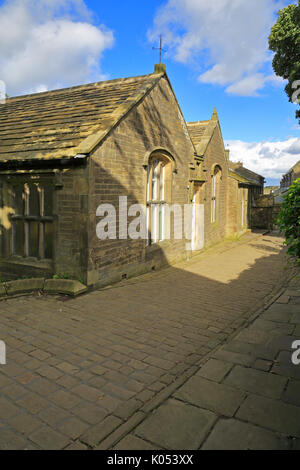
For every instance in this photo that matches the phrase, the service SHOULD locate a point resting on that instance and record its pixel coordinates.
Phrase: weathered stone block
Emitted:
(231, 434)
(2, 290)
(176, 425)
(22, 286)
(283, 299)
(211, 395)
(292, 393)
(64, 286)
(132, 442)
(256, 381)
(287, 309)
(271, 414)
(293, 292)
(214, 370)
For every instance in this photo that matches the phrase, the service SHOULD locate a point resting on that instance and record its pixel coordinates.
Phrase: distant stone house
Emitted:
(245, 189)
(208, 141)
(230, 189)
(270, 189)
(290, 176)
(65, 153)
(268, 206)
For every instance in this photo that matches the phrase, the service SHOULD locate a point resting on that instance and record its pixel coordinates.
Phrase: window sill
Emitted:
(30, 262)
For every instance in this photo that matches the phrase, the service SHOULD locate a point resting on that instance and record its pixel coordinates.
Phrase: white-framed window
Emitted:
(156, 199)
(213, 198)
(215, 182)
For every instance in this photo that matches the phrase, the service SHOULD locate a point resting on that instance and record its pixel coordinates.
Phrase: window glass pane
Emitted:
(148, 226)
(48, 201)
(41, 200)
(34, 208)
(161, 214)
(162, 183)
(26, 193)
(48, 237)
(153, 222)
(18, 200)
(148, 182)
(18, 238)
(27, 236)
(34, 239)
(155, 181)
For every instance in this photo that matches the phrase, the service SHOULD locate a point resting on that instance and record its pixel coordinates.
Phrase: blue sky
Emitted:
(269, 116)
(216, 55)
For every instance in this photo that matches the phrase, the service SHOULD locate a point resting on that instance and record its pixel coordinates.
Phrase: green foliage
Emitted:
(61, 276)
(284, 40)
(289, 220)
(66, 276)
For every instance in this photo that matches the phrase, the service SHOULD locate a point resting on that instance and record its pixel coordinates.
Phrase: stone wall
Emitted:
(237, 196)
(117, 168)
(265, 212)
(69, 189)
(215, 155)
(71, 230)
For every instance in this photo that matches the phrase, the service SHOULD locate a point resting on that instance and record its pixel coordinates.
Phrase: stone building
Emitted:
(267, 207)
(245, 189)
(290, 176)
(213, 188)
(230, 189)
(66, 154)
(271, 189)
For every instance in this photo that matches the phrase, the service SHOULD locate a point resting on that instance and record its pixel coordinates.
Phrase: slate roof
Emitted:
(201, 132)
(67, 122)
(244, 175)
(295, 168)
(197, 130)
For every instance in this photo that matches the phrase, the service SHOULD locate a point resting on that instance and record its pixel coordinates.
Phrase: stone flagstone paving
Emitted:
(120, 367)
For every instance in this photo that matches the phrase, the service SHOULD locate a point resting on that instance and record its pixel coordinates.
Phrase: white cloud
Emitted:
(45, 44)
(227, 37)
(269, 159)
(250, 85)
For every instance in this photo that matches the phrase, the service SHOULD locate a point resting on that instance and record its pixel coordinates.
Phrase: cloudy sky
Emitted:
(216, 55)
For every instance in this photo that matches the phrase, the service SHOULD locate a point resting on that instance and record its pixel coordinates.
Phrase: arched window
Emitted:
(215, 189)
(159, 175)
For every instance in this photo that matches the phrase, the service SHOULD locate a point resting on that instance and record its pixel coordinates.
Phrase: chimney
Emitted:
(160, 68)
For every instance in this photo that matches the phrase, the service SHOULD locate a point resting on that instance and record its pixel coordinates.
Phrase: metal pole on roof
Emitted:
(160, 48)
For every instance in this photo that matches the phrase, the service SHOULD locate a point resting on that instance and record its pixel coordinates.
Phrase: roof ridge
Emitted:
(243, 178)
(244, 168)
(116, 99)
(79, 87)
(197, 122)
